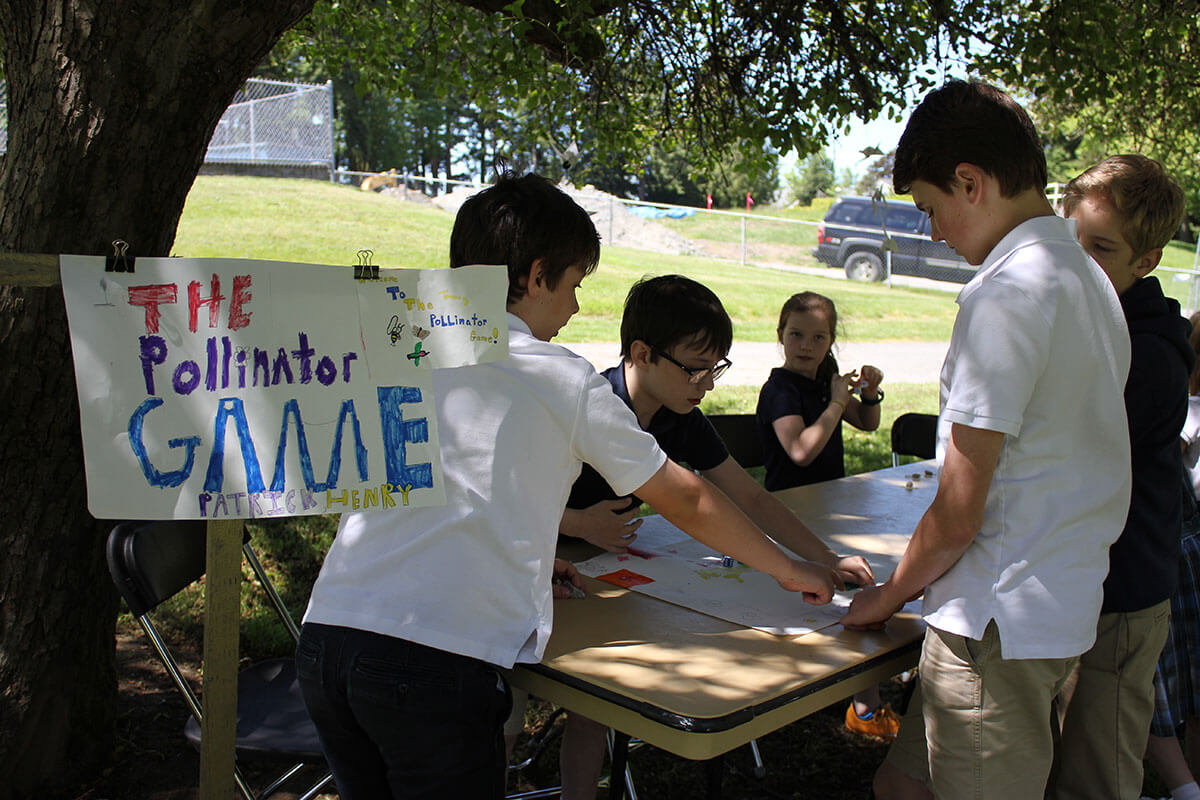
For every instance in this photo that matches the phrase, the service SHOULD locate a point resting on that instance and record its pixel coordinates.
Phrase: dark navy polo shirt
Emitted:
(787, 393)
(685, 438)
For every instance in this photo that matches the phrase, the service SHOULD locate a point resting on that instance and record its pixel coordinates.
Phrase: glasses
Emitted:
(698, 374)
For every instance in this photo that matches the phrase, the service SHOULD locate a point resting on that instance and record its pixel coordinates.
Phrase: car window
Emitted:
(846, 213)
(904, 219)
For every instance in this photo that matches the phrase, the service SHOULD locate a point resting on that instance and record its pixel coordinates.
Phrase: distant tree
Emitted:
(708, 76)
(672, 175)
(878, 173)
(814, 175)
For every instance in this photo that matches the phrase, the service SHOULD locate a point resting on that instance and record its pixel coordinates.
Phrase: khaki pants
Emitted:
(1108, 705)
(978, 725)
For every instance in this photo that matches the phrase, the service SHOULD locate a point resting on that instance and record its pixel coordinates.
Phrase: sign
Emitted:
(227, 388)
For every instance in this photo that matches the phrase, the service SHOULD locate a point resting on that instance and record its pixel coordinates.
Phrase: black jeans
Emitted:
(402, 720)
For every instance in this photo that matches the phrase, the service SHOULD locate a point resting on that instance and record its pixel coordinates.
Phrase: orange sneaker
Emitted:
(882, 724)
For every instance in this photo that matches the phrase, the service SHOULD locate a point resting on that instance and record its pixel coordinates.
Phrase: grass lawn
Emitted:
(324, 223)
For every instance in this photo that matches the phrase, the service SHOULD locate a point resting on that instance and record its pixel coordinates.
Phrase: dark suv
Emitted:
(852, 238)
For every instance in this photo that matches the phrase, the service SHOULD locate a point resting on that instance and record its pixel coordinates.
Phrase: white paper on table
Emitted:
(685, 572)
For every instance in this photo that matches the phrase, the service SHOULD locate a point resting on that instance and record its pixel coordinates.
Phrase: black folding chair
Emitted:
(151, 562)
(740, 434)
(914, 435)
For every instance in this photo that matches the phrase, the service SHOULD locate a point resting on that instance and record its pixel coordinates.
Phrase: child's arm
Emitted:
(602, 525)
(803, 443)
(865, 415)
(946, 530)
(777, 521)
(705, 513)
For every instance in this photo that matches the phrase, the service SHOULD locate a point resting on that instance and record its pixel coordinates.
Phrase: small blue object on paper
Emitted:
(727, 561)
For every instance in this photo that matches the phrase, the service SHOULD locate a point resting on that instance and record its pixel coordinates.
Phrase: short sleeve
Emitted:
(778, 399)
(606, 435)
(1002, 344)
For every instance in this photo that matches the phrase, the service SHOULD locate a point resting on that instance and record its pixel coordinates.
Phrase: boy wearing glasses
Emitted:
(675, 335)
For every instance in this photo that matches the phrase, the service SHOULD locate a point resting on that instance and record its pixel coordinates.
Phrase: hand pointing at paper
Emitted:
(816, 582)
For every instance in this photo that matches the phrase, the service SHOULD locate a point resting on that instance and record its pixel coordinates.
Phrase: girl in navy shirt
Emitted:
(800, 413)
(803, 403)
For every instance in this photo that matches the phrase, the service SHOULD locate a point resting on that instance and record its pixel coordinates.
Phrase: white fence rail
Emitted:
(751, 241)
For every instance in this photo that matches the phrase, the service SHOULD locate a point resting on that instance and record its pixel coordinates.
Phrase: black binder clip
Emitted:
(364, 270)
(118, 261)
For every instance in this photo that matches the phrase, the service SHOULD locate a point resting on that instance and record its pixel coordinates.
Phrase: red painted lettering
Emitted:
(213, 301)
(149, 297)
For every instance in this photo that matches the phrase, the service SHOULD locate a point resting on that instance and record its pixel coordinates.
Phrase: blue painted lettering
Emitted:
(154, 477)
(397, 431)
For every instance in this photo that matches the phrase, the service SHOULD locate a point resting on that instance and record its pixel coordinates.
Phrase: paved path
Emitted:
(901, 362)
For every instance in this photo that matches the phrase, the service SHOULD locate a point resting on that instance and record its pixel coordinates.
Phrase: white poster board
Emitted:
(230, 388)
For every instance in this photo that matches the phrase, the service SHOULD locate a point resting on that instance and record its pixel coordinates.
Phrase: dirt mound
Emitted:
(616, 225)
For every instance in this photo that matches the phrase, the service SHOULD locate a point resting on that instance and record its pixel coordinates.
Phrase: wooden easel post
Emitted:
(222, 615)
(222, 594)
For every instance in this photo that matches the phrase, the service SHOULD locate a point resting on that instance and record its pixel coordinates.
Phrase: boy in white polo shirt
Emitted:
(1034, 481)
(415, 610)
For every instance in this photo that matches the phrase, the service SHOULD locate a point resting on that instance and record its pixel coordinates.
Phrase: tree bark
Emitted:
(111, 106)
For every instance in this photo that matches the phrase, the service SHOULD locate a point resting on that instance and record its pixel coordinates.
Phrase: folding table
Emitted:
(698, 686)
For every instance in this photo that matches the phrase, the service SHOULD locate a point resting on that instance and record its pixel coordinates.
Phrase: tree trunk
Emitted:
(111, 106)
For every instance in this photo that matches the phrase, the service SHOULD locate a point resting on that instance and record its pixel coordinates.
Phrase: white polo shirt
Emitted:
(473, 577)
(1040, 353)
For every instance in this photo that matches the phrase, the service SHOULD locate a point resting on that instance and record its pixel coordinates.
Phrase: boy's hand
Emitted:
(566, 577)
(870, 608)
(601, 525)
(854, 569)
(816, 581)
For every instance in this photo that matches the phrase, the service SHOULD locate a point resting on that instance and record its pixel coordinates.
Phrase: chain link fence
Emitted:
(269, 122)
(275, 122)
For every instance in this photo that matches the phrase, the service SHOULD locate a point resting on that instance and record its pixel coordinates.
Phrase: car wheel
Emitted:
(864, 266)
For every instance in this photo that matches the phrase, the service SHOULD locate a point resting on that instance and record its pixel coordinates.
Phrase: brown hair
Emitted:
(517, 221)
(671, 309)
(974, 123)
(807, 302)
(1147, 198)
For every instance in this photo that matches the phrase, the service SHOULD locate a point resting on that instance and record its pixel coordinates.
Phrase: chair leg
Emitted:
(618, 768)
(282, 779)
(760, 769)
(317, 788)
(242, 786)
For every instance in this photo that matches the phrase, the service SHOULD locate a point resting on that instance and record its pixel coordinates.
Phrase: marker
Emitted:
(576, 592)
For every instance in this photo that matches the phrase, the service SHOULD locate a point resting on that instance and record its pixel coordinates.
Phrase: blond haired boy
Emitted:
(1126, 208)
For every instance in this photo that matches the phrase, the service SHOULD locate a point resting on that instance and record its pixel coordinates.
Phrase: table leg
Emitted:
(714, 771)
(616, 771)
